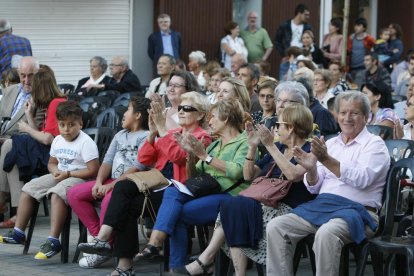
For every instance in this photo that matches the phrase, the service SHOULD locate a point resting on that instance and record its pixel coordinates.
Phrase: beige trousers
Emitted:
(9, 182)
(284, 232)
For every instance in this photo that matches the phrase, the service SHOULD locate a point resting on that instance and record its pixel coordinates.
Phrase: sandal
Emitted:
(7, 224)
(183, 270)
(121, 272)
(149, 253)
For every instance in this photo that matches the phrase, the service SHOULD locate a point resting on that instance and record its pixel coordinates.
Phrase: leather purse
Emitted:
(203, 185)
(266, 190)
(149, 180)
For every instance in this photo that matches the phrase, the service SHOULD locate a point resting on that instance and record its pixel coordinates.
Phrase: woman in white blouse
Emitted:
(231, 44)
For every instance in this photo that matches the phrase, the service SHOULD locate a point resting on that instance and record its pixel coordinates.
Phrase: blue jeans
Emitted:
(179, 210)
(283, 69)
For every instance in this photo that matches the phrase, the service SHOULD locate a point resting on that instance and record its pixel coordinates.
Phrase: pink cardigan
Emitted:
(335, 47)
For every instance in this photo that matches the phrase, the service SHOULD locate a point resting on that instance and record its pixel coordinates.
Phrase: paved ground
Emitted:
(13, 262)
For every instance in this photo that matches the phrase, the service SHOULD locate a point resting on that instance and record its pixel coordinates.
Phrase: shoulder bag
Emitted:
(147, 181)
(266, 190)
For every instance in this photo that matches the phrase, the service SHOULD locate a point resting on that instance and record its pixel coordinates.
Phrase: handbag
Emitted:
(203, 185)
(152, 179)
(266, 190)
(147, 181)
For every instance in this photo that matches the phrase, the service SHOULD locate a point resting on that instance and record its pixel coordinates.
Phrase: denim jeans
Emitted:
(179, 210)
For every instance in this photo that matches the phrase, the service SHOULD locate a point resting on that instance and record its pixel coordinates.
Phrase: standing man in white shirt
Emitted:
(289, 33)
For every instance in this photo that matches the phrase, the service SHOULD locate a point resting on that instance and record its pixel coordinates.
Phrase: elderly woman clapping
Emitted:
(162, 151)
(239, 214)
(223, 160)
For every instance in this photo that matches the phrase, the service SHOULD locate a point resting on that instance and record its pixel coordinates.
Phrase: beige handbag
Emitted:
(147, 181)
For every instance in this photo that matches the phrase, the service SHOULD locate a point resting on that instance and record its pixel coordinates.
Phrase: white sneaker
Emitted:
(93, 260)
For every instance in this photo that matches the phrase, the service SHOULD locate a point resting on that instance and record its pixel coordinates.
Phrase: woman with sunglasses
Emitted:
(224, 160)
(162, 151)
(242, 221)
(180, 83)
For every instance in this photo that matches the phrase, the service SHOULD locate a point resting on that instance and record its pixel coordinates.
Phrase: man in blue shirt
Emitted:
(165, 41)
(11, 45)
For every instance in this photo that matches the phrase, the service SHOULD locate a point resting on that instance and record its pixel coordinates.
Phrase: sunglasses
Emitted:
(277, 124)
(187, 108)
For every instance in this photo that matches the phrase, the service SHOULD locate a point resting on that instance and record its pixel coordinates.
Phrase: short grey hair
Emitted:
(123, 61)
(29, 61)
(198, 56)
(354, 96)
(101, 62)
(4, 25)
(294, 88)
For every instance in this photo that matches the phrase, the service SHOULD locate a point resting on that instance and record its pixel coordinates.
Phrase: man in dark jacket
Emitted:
(375, 73)
(123, 79)
(164, 41)
(290, 33)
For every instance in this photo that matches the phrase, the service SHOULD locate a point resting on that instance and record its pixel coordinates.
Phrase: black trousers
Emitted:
(123, 211)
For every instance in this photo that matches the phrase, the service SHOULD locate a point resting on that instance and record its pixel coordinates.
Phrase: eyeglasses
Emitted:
(187, 108)
(175, 85)
(280, 101)
(277, 124)
(112, 65)
(269, 96)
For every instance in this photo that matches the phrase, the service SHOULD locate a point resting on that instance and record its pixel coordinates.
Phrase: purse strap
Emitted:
(271, 169)
(235, 185)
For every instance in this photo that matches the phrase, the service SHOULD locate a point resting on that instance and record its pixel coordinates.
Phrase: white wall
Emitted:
(142, 27)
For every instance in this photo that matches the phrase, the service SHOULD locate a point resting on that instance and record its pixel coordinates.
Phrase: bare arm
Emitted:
(42, 137)
(267, 53)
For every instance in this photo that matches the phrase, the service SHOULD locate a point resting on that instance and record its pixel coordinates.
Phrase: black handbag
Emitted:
(203, 185)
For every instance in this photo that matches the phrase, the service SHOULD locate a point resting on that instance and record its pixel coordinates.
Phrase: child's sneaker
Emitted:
(92, 260)
(48, 250)
(13, 237)
(97, 246)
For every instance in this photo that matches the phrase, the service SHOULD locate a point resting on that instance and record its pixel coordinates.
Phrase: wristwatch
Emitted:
(208, 159)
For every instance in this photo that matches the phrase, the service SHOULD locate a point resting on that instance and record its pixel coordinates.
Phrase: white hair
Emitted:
(198, 56)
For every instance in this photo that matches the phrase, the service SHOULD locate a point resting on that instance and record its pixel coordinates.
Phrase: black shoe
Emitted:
(97, 246)
(183, 270)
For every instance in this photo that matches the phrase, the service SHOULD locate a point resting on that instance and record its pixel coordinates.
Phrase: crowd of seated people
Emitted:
(233, 125)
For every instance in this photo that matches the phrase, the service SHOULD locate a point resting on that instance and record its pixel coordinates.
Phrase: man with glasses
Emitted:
(123, 79)
(289, 34)
(257, 40)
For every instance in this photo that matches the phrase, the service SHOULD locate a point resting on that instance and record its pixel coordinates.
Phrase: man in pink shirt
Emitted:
(349, 173)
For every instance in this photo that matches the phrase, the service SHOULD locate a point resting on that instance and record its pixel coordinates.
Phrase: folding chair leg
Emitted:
(260, 269)
(83, 233)
(45, 207)
(65, 237)
(31, 226)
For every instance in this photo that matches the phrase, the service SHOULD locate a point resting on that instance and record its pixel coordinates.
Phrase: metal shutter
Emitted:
(65, 34)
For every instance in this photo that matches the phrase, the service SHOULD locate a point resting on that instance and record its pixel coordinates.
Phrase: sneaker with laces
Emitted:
(13, 237)
(97, 246)
(48, 250)
(93, 260)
